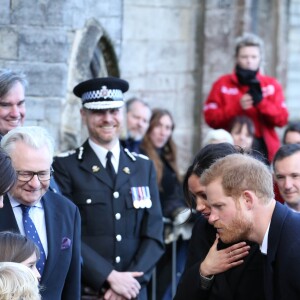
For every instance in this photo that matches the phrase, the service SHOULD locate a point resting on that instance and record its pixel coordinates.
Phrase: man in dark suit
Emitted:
(239, 189)
(117, 195)
(55, 219)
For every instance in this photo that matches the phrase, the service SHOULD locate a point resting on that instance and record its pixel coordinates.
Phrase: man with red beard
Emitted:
(239, 189)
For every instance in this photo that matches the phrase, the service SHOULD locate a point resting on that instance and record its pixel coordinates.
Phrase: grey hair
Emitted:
(33, 136)
(9, 78)
(129, 103)
(247, 40)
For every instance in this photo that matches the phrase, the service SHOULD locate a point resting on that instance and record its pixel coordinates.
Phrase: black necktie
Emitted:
(109, 166)
(31, 233)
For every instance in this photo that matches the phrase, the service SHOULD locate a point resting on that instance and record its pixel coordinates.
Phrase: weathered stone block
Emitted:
(4, 12)
(37, 44)
(9, 43)
(146, 24)
(46, 12)
(46, 79)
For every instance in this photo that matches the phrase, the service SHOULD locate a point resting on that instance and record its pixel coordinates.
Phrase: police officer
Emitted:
(117, 195)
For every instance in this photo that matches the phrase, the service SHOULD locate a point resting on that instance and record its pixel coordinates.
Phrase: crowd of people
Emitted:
(101, 221)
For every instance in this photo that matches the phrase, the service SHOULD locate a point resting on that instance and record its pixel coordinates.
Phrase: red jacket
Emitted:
(223, 104)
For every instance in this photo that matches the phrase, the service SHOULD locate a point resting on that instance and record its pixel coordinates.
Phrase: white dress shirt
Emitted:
(264, 246)
(37, 215)
(101, 153)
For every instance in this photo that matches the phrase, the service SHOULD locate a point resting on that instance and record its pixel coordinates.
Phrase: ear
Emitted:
(83, 115)
(248, 199)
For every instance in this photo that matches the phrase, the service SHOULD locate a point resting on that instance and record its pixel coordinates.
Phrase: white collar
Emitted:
(264, 246)
(101, 153)
(15, 203)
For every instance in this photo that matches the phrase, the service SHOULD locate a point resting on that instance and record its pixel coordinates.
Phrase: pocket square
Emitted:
(65, 243)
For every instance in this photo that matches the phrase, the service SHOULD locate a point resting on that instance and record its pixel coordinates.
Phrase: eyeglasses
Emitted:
(26, 176)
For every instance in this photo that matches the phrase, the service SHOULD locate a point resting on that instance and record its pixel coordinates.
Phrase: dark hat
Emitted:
(102, 93)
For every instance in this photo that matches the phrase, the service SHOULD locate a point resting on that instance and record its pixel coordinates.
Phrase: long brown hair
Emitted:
(168, 152)
(15, 247)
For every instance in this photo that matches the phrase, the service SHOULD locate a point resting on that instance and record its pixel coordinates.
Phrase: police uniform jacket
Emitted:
(61, 276)
(115, 234)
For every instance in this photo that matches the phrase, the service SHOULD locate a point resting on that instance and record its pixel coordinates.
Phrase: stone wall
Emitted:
(170, 52)
(293, 74)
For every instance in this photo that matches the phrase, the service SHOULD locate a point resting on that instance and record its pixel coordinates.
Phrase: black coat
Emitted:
(61, 276)
(107, 211)
(244, 282)
(283, 258)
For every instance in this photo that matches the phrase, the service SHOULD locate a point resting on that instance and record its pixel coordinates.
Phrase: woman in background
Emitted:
(242, 131)
(17, 248)
(159, 146)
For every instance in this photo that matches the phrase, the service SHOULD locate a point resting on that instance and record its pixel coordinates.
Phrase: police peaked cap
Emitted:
(102, 93)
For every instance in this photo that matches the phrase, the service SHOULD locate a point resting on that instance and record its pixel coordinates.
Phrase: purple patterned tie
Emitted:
(32, 234)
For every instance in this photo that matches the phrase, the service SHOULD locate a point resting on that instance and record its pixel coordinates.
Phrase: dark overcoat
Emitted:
(244, 282)
(283, 258)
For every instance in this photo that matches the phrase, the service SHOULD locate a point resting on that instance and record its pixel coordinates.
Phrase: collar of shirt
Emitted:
(15, 203)
(264, 246)
(37, 214)
(101, 154)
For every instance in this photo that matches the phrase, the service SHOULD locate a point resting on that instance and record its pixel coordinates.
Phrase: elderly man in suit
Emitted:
(49, 219)
(117, 195)
(239, 189)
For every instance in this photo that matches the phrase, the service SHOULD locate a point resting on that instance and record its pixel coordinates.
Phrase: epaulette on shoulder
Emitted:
(129, 154)
(66, 153)
(140, 155)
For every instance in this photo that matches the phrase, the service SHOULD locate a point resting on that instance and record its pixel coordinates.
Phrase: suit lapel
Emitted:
(277, 221)
(53, 228)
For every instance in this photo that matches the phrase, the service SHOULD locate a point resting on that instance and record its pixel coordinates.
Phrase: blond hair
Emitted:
(17, 282)
(240, 172)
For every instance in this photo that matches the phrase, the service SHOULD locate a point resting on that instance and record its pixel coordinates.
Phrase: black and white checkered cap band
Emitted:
(103, 104)
(113, 94)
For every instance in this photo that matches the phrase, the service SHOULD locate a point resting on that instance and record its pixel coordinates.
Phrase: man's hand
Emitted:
(111, 295)
(220, 261)
(246, 101)
(124, 283)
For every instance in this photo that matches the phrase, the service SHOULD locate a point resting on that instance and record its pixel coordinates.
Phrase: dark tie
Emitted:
(109, 166)
(32, 234)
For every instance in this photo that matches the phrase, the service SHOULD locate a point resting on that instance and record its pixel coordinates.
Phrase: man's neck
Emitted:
(261, 221)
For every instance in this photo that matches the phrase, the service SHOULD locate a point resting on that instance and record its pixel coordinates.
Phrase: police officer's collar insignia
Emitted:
(95, 169)
(126, 170)
(65, 154)
(129, 154)
(80, 153)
